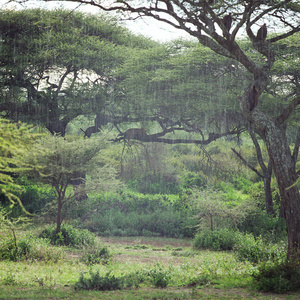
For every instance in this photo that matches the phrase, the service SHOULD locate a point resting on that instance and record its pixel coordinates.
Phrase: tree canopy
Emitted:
(204, 20)
(57, 65)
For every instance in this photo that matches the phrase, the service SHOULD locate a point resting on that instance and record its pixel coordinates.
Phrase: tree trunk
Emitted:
(281, 159)
(211, 223)
(267, 173)
(58, 219)
(268, 191)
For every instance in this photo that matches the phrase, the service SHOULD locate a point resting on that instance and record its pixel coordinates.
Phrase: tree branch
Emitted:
(258, 151)
(246, 163)
(155, 138)
(285, 35)
(287, 111)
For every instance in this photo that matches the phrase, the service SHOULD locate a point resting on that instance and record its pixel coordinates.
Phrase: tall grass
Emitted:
(29, 248)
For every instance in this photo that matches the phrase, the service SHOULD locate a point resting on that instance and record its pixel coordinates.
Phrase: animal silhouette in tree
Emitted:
(262, 33)
(227, 21)
(169, 5)
(253, 98)
(134, 133)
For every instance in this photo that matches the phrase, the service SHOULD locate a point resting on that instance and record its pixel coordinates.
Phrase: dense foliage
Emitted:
(15, 142)
(29, 248)
(68, 236)
(85, 67)
(278, 277)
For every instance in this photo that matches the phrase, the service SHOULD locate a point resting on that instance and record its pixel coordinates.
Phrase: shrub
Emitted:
(159, 277)
(95, 254)
(155, 184)
(259, 223)
(29, 248)
(107, 282)
(35, 198)
(132, 214)
(191, 179)
(221, 239)
(68, 236)
(120, 223)
(100, 283)
(255, 250)
(200, 280)
(8, 249)
(277, 277)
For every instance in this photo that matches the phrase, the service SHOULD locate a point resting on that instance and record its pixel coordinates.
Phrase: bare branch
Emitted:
(151, 138)
(285, 35)
(246, 163)
(258, 151)
(288, 110)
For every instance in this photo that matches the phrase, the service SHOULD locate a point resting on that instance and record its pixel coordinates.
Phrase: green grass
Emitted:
(192, 274)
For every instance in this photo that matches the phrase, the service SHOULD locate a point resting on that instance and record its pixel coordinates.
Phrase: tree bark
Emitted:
(275, 138)
(58, 219)
(267, 174)
(268, 191)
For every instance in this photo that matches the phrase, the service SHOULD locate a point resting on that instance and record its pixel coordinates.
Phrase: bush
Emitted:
(99, 283)
(277, 277)
(107, 282)
(192, 179)
(132, 214)
(35, 198)
(221, 239)
(68, 236)
(29, 248)
(155, 184)
(95, 254)
(255, 250)
(260, 223)
(120, 223)
(8, 249)
(159, 277)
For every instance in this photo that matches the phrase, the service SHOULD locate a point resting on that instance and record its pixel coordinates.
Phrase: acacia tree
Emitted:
(58, 161)
(58, 65)
(156, 82)
(204, 20)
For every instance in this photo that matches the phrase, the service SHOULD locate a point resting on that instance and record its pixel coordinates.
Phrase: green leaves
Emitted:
(57, 65)
(57, 158)
(15, 141)
(63, 162)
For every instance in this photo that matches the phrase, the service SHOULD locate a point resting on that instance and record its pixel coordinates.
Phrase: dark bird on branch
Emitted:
(169, 5)
(227, 21)
(262, 33)
(253, 98)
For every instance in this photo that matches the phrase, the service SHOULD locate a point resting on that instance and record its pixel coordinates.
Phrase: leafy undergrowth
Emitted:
(147, 268)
